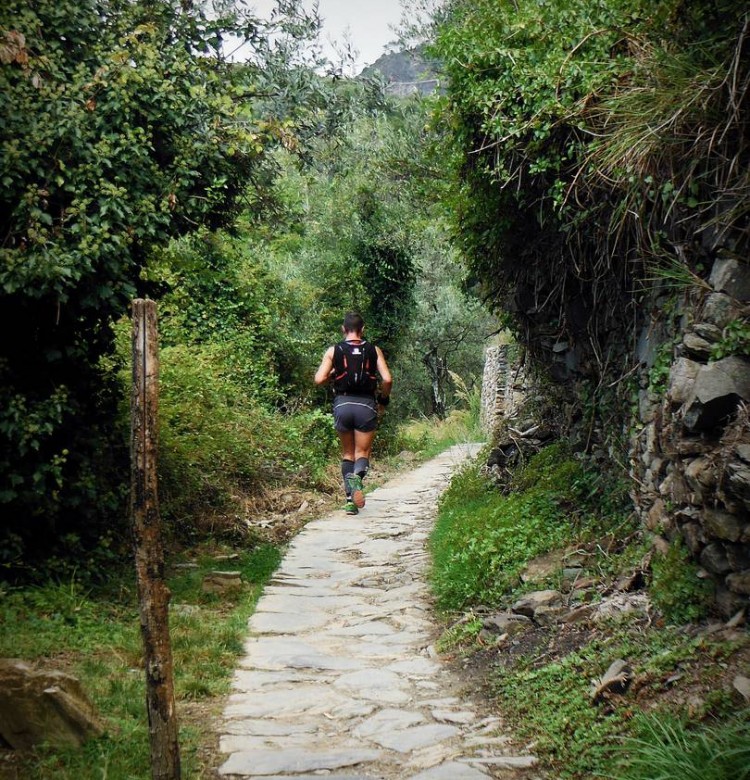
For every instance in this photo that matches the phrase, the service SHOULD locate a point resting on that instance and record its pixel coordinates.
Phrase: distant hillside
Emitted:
(407, 72)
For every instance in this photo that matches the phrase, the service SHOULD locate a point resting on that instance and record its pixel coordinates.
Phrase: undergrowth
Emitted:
(217, 440)
(484, 538)
(95, 636)
(429, 436)
(679, 711)
(550, 702)
(676, 589)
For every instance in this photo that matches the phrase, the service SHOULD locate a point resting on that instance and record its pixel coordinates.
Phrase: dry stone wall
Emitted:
(690, 454)
(502, 387)
(690, 441)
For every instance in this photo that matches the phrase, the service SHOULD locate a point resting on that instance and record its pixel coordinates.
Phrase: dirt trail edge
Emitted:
(340, 678)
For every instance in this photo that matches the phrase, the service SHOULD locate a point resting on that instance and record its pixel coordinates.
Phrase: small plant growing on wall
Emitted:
(676, 590)
(735, 340)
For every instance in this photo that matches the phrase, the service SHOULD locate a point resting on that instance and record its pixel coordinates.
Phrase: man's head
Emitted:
(353, 323)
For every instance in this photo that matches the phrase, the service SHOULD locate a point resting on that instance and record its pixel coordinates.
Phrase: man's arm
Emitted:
(386, 381)
(323, 374)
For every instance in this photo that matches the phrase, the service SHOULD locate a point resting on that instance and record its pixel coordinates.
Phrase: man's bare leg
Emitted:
(362, 449)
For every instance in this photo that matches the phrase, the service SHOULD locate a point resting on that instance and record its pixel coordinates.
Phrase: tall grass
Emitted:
(666, 749)
(429, 436)
(670, 142)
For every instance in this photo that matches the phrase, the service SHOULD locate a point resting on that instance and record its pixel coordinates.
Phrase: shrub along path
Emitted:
(340, 675)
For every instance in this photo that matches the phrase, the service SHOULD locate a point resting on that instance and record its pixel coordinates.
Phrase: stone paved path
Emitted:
(340, 679)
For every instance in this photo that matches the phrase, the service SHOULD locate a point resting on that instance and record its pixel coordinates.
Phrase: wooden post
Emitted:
(153, 595)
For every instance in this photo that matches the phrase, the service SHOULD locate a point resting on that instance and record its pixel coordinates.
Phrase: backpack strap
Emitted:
(371, 359)
(340, 363)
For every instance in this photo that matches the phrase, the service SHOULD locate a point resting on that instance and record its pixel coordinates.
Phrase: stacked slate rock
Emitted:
(692, 455)
(503, 388)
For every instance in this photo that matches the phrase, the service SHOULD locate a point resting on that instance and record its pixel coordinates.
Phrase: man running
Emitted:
(353, 366)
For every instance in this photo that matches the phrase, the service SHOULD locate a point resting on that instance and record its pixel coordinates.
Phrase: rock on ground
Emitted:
(43, 706)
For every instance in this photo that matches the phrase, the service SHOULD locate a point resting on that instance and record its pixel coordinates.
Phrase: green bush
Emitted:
(676, 589)
(429, 436)
(120, 130)
(553, 704)
(215, 440)
(735, 340)
(233, 407)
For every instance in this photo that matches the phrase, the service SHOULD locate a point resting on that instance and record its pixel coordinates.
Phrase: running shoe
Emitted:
(358, 493)
(351, 508)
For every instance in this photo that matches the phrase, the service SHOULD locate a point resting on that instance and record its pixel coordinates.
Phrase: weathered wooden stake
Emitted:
(153, 595)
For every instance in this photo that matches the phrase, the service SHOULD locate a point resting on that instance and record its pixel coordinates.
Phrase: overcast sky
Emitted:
(366, 20)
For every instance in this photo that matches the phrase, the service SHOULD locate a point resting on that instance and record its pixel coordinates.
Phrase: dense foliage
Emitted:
(122, 128)
(385, 251)
(137, 160)
(665, 748)
(593, 141)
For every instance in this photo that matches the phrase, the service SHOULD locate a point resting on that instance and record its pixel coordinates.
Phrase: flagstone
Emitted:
(254, 679)
(449, 716)
(236, 743)
(271, 652)
(506, 762)
(259, 727)
(290, 700)
(294, 602)
(287, 623)
(340, 677)
(415, 737)
(369, 628)
(257, 763)
(415, 667)
(451, 770)
(378, 685)
(388, 720)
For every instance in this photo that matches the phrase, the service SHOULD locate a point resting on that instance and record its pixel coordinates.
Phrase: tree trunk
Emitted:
(153, 595)
(437, 371)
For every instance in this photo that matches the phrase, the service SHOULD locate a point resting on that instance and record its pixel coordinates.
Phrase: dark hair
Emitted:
(353, 322)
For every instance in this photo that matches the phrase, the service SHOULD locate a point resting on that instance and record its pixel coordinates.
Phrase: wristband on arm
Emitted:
(383, 400)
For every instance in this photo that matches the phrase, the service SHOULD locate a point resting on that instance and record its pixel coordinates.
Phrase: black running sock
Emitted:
(347, 468)
(361, 466)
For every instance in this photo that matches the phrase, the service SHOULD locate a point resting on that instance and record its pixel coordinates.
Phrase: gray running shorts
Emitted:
(354, 413)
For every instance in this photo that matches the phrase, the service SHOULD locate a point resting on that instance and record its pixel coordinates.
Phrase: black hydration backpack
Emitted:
(355, 368)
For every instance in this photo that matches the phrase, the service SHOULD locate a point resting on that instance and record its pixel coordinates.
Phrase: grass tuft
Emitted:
(665, 749)
(483, 539)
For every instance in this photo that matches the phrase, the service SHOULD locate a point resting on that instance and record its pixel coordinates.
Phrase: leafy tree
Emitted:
(384, 254)
(518, 80)
(384, 251)
(445, 335)
(121, 129)
(347, 243)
